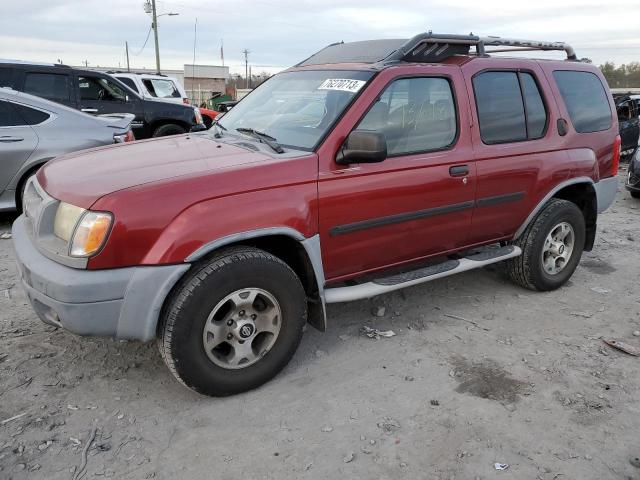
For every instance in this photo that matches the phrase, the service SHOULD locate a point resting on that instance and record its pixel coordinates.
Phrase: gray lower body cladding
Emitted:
(121, 303)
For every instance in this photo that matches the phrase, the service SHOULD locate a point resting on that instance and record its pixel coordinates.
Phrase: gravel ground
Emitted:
(480, 372)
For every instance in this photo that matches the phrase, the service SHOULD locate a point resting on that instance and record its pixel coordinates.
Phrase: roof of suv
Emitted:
(424, 48)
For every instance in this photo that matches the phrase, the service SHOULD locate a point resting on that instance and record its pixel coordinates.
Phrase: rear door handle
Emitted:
(459, 170)
(89, 110)
(7, 139)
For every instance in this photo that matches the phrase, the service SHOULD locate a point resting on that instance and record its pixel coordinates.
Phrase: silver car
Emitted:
(34, 130)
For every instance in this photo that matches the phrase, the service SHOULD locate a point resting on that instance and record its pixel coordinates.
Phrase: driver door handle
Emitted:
(459, 170)
(89, 110)
(8, 139)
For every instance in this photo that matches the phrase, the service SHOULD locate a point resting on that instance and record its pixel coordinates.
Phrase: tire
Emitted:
(528, 269)
(187, 313)
(168, 129)
(635, 194)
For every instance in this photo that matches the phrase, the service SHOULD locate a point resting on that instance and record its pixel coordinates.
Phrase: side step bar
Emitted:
(421, 275)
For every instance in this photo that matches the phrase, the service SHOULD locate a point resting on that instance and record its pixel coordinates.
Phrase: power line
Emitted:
(145, 41)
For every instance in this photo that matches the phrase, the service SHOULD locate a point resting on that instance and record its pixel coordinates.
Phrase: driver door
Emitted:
(98, 95)
(416, 203)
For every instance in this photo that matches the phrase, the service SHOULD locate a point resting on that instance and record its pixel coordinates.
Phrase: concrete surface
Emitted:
(480, 372)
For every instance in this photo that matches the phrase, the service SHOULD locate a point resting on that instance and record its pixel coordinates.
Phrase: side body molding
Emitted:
(547, 197)
(311, 245)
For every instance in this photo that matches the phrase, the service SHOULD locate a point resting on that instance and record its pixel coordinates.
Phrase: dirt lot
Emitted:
(480, 372)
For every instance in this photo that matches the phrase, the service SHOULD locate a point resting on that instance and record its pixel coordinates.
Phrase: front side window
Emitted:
(415, 115)
(48, 85)
(161, 88)
(100, 89)
(586, 100)
(297, 108)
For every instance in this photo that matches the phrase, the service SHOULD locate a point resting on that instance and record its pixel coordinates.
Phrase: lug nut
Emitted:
(229, 322)
(254, 316)
(241, 313)
(229, 337)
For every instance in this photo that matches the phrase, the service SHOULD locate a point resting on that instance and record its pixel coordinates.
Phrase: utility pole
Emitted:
(246, 67)
(126, 46)
(155, 34)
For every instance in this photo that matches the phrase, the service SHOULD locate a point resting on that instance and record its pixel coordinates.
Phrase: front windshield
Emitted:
(297, 108)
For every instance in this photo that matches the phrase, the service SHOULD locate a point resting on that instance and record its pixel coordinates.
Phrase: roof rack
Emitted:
(431, 47)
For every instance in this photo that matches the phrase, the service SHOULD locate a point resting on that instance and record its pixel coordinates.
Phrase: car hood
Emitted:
(82, 178)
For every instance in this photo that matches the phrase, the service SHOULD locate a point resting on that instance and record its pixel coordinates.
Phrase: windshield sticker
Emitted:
(343, 84)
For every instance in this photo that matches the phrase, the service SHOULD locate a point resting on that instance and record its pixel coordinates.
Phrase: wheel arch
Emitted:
(24, 176)
(302, 254)
(167, 121)
(580, 191)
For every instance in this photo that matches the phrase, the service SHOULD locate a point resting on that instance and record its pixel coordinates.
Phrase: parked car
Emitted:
(369, 167)
(153, 86)
(628, 109)
(224, 107)
(99, 93)
(161, 87)
(34, 130)
(633, 174)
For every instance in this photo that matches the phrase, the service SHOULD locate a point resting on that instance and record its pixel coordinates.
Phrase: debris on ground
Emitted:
(600, 290)
(349, 457)
(434, 403)
(581, 314)
(474, 323)
(500, 466)
(5, 236)
(15, 417)
(389, 425)
(80, 471)
(327, 429)
(636, 333)
(379, 311)
(635, 461)
(624, 347)
(376, 334)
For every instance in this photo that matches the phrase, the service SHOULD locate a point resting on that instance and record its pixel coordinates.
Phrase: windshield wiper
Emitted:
(263, 137)
(216, 123)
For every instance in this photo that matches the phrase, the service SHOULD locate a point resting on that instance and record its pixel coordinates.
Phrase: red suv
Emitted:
(369, 167)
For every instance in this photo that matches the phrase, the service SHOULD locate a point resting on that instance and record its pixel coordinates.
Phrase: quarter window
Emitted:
(48, 85)
(31, 116)
(510, 107)
(415, 115)
(8, 117)
(129, 83)
(586, 100)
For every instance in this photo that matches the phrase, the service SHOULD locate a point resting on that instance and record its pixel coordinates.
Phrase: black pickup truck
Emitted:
(99, 93)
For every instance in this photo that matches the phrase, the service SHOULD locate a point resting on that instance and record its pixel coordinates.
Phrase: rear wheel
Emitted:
(234, 323)
(168, 129)
(635, 194)
(551, 247)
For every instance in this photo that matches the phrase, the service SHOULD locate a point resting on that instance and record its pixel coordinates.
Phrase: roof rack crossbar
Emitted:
(431, 47)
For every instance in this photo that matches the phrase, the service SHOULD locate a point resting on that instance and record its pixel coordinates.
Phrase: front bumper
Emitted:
(120, 302)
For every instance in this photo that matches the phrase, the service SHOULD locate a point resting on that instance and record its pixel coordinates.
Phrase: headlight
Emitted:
(84, 231)
(198, 116)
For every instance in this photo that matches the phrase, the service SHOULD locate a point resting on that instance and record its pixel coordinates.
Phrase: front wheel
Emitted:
(233, 323)
(551, 247)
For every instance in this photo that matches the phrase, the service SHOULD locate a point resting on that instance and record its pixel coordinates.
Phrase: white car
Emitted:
(154, 86)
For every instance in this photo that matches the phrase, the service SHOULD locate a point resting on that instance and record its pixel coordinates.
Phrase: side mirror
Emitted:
(363, 146)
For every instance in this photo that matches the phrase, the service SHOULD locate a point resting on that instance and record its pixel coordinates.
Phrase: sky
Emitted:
(280, 33)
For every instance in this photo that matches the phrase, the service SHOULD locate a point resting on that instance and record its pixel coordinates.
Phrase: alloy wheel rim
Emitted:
(558, 248)
(242, 328)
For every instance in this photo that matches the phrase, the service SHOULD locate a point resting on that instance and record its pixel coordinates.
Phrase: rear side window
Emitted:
(586, 100)
(510, 107)
(6, 75)
(415, 114)
(8, 116)
(48, 85)
(31, 116)
(129, 83)
(161, 88)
